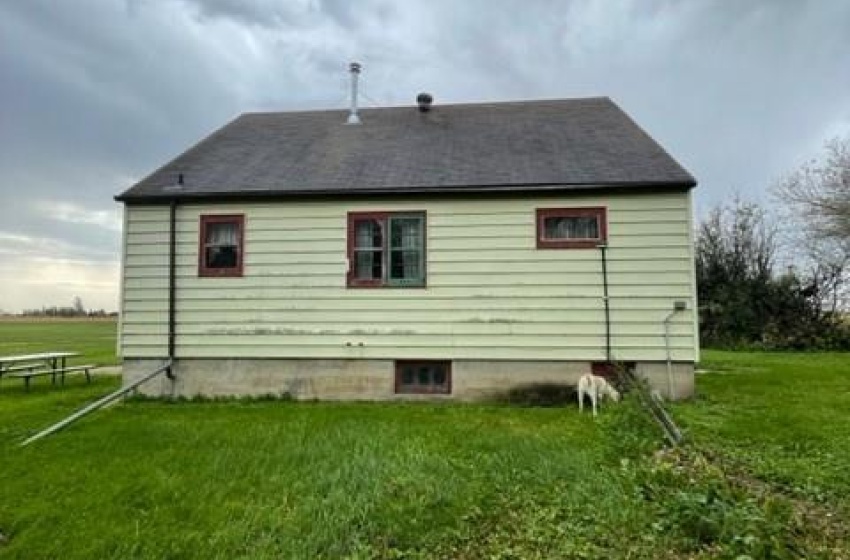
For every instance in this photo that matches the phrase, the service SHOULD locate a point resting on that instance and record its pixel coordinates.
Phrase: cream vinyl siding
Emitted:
(490, 294)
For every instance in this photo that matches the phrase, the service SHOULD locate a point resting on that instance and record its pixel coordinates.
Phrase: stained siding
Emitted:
(490, 295)
(137, 222)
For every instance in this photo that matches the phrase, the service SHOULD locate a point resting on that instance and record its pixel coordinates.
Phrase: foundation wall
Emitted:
(375, 379)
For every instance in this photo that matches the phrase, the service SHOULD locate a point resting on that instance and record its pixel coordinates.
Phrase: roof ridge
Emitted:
(436, 105)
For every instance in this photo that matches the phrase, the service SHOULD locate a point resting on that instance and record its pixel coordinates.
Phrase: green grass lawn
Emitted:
(785, 416)
(764, 475)
(94, 339)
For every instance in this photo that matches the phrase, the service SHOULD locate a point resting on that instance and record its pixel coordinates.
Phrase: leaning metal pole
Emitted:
(100, 403)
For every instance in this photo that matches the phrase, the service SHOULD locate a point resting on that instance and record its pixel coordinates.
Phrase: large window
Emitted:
(221, 252)
(386, 249)
(423, 376)
(571, 228)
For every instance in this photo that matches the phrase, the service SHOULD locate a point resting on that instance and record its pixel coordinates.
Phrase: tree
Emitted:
(820, 192)
(79, 309)
(743, 303)
(817, 198)
(735, 251)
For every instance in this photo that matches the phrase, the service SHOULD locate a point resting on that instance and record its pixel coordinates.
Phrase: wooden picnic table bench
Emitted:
(27, 366)
(28, 375)
(23, 367)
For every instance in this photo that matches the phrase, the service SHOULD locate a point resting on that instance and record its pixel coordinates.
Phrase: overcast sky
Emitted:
(94, 95)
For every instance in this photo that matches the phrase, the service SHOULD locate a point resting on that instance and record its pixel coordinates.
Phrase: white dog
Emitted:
(595, 387)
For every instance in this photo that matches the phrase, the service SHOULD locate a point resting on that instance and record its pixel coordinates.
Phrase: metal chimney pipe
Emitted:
(354, 68)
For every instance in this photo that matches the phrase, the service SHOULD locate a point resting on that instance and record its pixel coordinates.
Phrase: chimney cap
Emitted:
(424, 100)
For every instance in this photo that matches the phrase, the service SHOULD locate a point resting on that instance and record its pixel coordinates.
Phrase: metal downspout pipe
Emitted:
(677, 307)
(603, 248)
(172, 265)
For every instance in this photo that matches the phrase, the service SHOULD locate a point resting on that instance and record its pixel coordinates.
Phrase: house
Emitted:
(455, 250)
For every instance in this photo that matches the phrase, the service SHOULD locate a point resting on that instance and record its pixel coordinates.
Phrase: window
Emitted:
(220, 252)
(386, 249)
(429, 377)
(571, 228)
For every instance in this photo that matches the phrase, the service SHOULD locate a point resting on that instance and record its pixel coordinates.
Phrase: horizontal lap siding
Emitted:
(491, 294)
(154, 267)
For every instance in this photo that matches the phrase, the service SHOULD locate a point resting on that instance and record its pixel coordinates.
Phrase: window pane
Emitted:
(368, 265)
(571, 227)
(221, 245)
(223, 233)
(221, 257)
(439, 376)
(405, 265)
(406, 244)
(367, 234)
(426, 377)
(406, 232)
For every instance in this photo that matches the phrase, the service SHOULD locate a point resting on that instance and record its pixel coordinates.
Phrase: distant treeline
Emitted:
(56, 311)
(76, 309)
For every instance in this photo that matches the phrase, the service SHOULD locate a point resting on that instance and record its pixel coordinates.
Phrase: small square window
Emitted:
(571, 228)
(220, 250)
(423, 377)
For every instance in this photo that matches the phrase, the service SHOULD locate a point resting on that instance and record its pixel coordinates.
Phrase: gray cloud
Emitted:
(95, 94)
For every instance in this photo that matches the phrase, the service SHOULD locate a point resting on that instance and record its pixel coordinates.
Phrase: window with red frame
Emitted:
(423, 376)
(571, 228)
(386, 249)
(221, 245)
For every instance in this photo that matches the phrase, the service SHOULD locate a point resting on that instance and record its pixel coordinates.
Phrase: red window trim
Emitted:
(399, 364)
(205, 221)
(599, 212)
(351, 281)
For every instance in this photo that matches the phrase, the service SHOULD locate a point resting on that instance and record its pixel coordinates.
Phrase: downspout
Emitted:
(172, 242)
(603, 248)
(677, 307)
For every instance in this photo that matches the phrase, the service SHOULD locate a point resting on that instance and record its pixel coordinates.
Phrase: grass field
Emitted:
(94, 339)
(792, 424)
(764, 475)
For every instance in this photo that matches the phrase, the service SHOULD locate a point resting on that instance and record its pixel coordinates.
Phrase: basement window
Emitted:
(221, 245)
(386, 249)
(571, 228)
(423, 377)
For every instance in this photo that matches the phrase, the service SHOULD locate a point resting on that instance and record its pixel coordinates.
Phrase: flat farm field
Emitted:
(95, 339)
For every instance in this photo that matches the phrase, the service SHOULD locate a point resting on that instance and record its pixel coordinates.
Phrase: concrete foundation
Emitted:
(675, 384)
(375, 379)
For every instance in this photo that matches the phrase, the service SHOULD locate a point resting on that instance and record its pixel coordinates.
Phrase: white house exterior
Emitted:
(455, 253)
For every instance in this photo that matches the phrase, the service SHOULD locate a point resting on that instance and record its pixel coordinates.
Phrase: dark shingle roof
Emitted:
(563, 144)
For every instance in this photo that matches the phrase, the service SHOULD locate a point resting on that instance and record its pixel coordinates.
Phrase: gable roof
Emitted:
(525, 145)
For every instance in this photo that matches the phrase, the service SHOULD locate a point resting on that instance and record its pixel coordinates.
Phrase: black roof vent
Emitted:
(176, 185)
(424, 100)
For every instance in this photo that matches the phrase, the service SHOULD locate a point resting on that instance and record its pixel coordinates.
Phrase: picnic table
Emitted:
(27, 366)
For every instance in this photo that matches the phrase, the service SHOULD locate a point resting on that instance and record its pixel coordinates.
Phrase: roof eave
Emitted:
(128, 197)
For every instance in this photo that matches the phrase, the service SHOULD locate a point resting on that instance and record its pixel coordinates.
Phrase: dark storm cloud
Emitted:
(96, 94)
(274, 14)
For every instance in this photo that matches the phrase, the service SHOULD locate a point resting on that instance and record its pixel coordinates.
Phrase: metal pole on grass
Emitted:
(100, 403)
